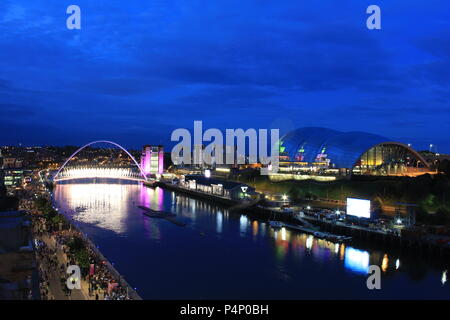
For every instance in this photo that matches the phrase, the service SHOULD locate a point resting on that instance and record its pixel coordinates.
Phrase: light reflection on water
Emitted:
(219, 222)
(243, 223)
(106, 205)
(113, 207)
(357, 260)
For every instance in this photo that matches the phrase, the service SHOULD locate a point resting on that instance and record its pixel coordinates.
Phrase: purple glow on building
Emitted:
(161, 161)
(146, 159)
(152, 159)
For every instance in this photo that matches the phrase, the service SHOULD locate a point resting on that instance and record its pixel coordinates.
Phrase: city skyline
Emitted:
(217, 158)
(132, 67)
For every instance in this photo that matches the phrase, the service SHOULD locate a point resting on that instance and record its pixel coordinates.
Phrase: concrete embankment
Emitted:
(113, 271)
(199, 195)
(252, 209)
(117, 276)
(418, 245)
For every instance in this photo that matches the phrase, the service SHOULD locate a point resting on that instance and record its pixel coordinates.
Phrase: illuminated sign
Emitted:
(358, 207)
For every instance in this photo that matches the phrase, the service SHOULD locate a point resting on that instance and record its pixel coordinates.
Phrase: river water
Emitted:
(222, 255)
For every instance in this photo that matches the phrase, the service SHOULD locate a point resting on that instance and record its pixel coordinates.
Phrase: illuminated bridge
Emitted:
(92, 172)
(70, 173)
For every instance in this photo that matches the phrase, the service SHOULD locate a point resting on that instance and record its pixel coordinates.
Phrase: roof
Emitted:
(209, 181)
(343, 148)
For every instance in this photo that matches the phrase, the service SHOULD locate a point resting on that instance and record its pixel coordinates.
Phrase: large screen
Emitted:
(358, 207)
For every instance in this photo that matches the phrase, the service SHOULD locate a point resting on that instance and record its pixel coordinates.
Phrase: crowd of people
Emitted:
(102, 284)
(101, 281)
(45, 257)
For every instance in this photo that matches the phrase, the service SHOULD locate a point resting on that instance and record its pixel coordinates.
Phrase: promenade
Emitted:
(55, 252)
(53, 260)
(52, 264)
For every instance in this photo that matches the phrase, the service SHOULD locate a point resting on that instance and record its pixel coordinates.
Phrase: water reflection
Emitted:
(309, 242)
(106, 206)
(385, 263)
(102, 204)
(114, 207)
(255, 229)
(219, 223)
(243, 222)
(353, 259)
(152, 230)
(152, 198)
(342, 252)
(283, 234)
(357, 260)
(262, 230)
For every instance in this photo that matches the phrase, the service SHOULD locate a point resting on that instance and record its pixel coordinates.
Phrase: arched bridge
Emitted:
(91, 172)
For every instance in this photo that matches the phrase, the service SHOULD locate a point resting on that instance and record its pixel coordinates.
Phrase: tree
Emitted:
(2, 191)
(78, 249)
(444, 167)
(294, 194)
(442, 217)
(9, 203)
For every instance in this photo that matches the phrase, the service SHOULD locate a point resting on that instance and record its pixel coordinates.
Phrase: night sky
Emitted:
(139, 69)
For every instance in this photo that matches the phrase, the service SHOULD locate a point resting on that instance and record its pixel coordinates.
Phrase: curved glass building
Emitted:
(323, 150)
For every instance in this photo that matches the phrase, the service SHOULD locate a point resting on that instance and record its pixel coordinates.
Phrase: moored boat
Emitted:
(276, 224)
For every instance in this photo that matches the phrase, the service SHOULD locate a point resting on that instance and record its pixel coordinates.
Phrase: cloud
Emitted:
(135, 66)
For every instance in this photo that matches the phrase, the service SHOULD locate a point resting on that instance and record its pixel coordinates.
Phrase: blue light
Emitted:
(356, 260)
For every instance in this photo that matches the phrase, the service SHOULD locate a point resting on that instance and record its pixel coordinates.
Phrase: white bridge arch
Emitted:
(57, 176)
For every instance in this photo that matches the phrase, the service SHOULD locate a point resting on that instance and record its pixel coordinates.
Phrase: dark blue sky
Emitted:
(139, 69)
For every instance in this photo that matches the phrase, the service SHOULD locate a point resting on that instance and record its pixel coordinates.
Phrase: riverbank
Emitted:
(408, 241)
(429, 192)
(196, 194)
(131, 293)
(165, 261)
(66, 245)
(55, 254)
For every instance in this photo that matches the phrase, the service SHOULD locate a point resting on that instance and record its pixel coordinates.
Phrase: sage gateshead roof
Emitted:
(342, 149)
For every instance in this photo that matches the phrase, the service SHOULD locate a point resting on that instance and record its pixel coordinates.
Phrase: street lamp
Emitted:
(284, 197)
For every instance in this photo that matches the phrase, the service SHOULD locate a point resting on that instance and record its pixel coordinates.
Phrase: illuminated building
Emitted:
(11, 163)
(152, 159)
(223, 188)
(13, 177)
(324, 151)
